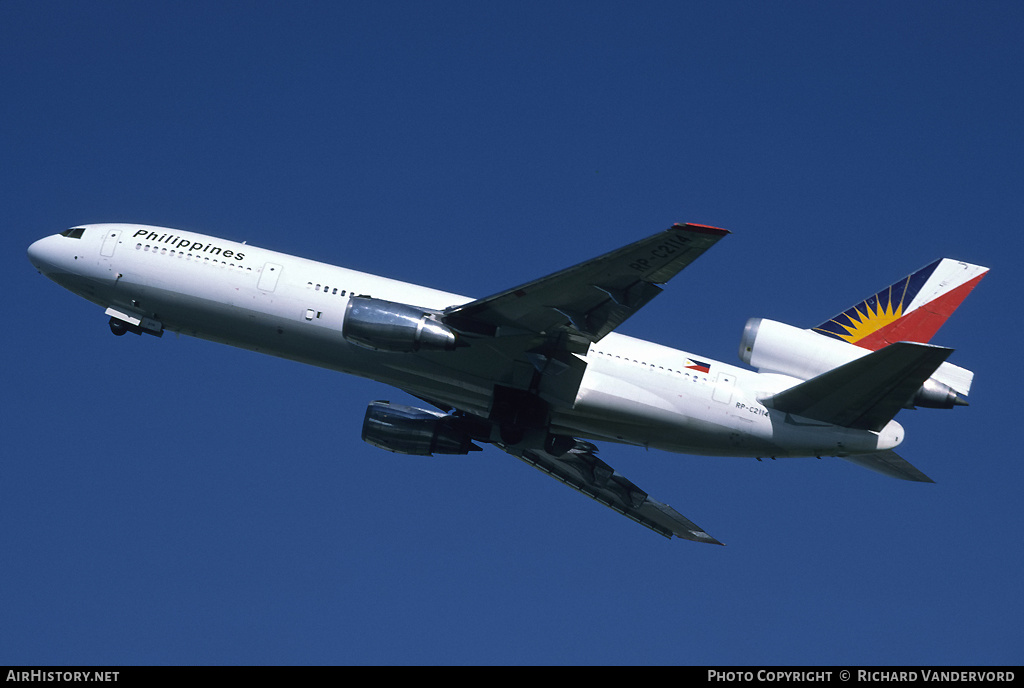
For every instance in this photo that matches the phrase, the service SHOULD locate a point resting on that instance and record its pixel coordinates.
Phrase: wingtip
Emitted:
(701, 536)
(703, 229)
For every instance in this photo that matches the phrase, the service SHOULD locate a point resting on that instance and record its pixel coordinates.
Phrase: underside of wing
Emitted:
(591, 299)
(580, 469)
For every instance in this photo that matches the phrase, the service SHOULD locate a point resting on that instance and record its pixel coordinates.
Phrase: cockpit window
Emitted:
(73, 233)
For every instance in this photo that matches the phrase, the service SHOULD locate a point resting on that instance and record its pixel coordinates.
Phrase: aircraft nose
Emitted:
(39, 253)
(48, 255)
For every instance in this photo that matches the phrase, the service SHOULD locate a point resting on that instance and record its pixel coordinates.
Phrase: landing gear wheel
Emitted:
(118, 327)
(512, 434)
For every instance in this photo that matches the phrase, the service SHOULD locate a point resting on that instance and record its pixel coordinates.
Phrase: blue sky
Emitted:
(172, 501)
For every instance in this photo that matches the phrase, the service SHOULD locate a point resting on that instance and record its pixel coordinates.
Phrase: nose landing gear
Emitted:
(119, 327)
(122, 322)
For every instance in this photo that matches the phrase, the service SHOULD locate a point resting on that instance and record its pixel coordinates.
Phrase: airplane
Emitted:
(538, 370)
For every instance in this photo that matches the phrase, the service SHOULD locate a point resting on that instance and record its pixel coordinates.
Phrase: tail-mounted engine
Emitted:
(408, 430)
(774, 347)
(389, 326)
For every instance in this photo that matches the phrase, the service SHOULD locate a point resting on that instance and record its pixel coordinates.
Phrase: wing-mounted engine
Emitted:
(389, 326)
(408, 430)
(774, 347)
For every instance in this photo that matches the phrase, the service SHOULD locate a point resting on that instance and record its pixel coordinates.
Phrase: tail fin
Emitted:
(911, 310)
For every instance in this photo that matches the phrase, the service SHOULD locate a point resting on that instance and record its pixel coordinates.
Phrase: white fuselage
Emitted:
(633, 391)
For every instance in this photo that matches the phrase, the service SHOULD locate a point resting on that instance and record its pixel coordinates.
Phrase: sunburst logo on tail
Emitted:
(867, 318)
(911, 310)
(875, 312)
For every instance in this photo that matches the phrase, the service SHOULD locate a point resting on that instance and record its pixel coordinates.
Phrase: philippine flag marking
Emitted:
(699, 366)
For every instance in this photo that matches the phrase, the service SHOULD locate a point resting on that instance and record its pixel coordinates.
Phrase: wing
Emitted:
(580, 469)
(591, 299)
(520, 344)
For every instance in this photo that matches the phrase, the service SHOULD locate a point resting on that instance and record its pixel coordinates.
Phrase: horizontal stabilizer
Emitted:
(891, 464)
(865, 393)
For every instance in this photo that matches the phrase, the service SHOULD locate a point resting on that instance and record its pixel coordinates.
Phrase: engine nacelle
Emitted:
(774, 347)
(389, 326)
(409, 430)
(935, 394)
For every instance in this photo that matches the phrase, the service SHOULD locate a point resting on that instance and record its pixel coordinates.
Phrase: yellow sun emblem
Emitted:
(864, 320)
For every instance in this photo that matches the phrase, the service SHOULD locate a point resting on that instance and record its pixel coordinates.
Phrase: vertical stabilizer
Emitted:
(911, 310)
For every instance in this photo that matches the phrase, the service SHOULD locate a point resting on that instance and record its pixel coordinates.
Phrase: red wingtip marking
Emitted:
(704, 229)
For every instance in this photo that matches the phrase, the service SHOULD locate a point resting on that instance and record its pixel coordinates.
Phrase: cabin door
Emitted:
(268, 276)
